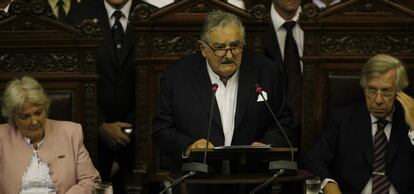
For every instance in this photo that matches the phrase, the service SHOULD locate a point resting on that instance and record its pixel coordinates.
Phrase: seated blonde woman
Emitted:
(40, 155)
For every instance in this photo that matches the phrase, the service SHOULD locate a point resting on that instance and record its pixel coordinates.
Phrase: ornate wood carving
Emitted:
(339, 40)
(90, 119)
(367, 44)
(64, 61)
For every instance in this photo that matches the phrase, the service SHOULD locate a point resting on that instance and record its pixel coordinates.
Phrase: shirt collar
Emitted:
(28, 142)
(321, 4)
(279, 21)
(125, 9)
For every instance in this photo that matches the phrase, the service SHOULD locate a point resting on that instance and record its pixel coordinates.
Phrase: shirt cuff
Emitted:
(326, 181)
(411, 136)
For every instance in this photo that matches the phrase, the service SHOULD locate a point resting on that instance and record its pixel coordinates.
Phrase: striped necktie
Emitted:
(380, 182)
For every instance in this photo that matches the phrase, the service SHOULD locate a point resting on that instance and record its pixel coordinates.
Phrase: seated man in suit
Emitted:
(240, 115)
(368, 147)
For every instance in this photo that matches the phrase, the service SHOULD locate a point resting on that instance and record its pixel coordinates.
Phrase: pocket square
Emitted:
(259, 97)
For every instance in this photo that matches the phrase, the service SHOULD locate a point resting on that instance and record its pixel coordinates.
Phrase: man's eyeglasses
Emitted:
(221, 52)
(372, 92)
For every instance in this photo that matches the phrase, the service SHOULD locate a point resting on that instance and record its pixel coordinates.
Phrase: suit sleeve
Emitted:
(165, 133)
(320, 157)
(87, 175)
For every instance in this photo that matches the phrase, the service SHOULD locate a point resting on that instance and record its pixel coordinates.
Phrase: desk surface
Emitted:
(246, 178)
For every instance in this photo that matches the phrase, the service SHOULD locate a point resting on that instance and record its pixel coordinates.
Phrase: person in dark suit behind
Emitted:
(116, 85)
(283, 43)
(240, 115)
(368, 147)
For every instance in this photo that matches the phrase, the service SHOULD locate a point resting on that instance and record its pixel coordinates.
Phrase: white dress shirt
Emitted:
(321, 4)
(36, 179)
(281, 32)
(226, 96)
(163, 3)
(125, 10)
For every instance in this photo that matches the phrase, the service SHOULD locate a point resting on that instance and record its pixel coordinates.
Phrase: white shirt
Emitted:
(226, 96)
(387, 130)
(6, 9)
(36, 179)
(125, 10)
(55, 7)
(162, 3)
(281, 32)
(321, 4)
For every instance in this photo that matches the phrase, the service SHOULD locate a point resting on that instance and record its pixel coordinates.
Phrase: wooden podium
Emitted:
(248, 165)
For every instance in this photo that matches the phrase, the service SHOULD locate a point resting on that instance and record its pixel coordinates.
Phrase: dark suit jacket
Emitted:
(345, 151)
(271, 45)
(116, 84)
(185, 99)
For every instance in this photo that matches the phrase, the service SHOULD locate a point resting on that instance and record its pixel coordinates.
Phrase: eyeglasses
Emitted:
(372, 92)
(221, 52)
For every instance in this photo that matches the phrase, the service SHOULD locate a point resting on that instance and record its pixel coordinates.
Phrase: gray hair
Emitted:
(216, 19)
(381, 64)
(20, 91)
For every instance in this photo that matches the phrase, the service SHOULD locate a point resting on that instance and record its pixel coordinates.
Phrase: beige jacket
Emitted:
(70, 166)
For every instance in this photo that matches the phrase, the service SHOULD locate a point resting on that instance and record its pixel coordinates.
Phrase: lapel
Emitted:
(21, 153)
(363, 129)
(399, 131)
(202, 87)
(248, 71)
(272, 45)
(45, 151)
(107, 44)
(129, 38)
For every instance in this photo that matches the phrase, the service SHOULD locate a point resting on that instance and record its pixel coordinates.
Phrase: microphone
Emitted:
(192, 167)
(197, 166)
(281, 164)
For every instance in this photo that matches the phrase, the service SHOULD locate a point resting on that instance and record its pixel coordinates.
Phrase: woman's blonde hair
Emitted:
(20, 91)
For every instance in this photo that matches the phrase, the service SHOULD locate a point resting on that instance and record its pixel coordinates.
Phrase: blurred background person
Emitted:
(116, 85)
(40, 155)
(283, 43)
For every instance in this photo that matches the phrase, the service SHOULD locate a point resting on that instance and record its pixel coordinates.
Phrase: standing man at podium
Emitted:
(116, 85)
(240, 116)
(369, 147)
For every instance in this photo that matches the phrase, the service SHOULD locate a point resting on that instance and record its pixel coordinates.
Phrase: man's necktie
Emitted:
(293, 72)
(380, 182)
(118, 32)
(61, 11)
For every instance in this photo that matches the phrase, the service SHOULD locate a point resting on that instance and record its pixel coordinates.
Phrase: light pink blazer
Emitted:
(70, 166)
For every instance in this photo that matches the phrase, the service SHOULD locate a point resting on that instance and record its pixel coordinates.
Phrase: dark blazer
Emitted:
(116, 84)
(271, 45)
(185, 99)
(345, 151)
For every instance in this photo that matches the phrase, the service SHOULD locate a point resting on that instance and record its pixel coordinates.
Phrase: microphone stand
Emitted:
(280, 165)
(277, 174)
(190, 173)
(197, 166)
(193, 167)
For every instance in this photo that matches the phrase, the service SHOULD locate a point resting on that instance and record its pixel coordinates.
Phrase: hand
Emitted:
(331, 188)
(256, 143)
(113, 135)
(201, 143)
(408, 104)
